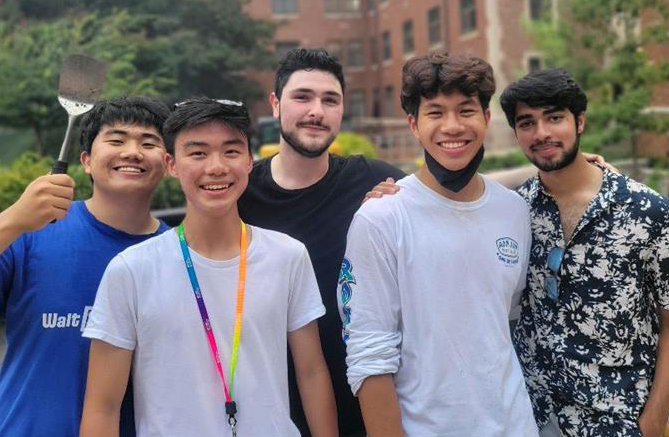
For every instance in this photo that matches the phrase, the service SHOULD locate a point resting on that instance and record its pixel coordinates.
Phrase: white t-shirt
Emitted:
(145, 303)
(428, 284)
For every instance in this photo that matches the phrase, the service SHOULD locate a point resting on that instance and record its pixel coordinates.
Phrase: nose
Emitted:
(316, 109)
(132, 150)
(452, 125)
(216, 165)
(542, 133)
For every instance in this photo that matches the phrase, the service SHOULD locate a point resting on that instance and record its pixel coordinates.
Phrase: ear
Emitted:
(486, 114)
(169, 162)
(413, 125)
(274, 101)
(580, 123)
(85, 159)
(250, 167)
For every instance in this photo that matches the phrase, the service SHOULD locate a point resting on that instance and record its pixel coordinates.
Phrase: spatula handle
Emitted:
(59, 167)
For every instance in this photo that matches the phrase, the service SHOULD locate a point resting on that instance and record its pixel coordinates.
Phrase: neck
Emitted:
(292, 171)
(125, 213)
(471, 192)
(215, 237)
(578, 176)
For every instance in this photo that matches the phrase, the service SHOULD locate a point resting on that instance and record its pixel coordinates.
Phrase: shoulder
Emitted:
(150, 251)
(514, 198)
(376, 168)
(527, 189)
(643, 200)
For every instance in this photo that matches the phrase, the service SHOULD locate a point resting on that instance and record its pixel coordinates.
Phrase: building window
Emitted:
(376, 103)
(467, 15)
(407, 36)
(373, 51)
(539, 9)
(342, 5)
(283, 47)
(356, 103)
(354, 56)
(389, 101)
(284, 6)
(533, 64)
(385, 41)
(335, 48)
(434, 25)
(371, 4)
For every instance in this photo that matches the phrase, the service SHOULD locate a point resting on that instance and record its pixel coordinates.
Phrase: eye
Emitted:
(525, 124)
(301, 97)
(556, 118)
(331, 101)
(115, 142)
(434, 114)
(196, 153)
(467, 112)
(149, 145)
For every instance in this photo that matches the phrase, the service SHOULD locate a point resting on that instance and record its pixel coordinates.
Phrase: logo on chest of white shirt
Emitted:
(507, 250)
(68, 320)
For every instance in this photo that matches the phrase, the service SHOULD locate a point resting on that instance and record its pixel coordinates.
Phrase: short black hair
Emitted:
(199, 110)
(553, 87)
(444, 72)
(307, 59)
(139, 110)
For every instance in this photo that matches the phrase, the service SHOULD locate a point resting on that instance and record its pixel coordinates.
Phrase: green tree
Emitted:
(603, 43)
(30, 59)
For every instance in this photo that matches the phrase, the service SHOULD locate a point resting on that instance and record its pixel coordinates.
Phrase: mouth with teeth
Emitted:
(215, 187)
(453, 146)
(129, 169)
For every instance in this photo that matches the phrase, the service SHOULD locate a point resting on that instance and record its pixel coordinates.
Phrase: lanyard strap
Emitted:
(239, 308)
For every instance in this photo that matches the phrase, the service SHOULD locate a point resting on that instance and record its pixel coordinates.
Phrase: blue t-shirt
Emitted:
(48, 281)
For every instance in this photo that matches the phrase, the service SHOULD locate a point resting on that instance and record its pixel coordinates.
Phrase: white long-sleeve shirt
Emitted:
(425, 292)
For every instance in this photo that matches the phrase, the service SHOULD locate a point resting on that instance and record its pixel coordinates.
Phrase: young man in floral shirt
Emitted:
(593, 336)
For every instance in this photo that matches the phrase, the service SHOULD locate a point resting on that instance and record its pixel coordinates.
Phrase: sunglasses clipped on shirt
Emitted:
(553, 262)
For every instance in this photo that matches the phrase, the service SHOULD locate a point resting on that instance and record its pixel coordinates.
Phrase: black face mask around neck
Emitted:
(454, 180)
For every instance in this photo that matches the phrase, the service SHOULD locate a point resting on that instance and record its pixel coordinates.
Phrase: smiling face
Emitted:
(450, 127)
(125, 159)
(548, 135)
(310, 110)
(212, 163)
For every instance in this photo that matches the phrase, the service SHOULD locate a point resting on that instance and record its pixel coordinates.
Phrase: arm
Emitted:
(370, 309)
(313, 380)
(108, 370)
(44, 199)
(380, 408)
(653, 419)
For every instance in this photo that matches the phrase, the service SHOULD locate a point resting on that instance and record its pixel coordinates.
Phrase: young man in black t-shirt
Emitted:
(311, 195)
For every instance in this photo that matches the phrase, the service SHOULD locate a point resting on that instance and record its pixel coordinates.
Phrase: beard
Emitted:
(313, 151)
(567, 158)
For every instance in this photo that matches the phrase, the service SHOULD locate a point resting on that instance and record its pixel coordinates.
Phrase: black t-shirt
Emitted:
(319, 217)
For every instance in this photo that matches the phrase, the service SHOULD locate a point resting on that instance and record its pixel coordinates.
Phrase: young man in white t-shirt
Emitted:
(213, 287)
(431, 274)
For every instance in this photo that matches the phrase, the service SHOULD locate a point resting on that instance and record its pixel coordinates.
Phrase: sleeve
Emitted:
(657, 266)
(114, 315)
(514, 309)
(368, 298)
(304, 304)
(6, 277)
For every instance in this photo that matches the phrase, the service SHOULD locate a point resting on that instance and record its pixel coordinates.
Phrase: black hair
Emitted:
(139, 110)
(307, 59)
(199, 110)
(553, 87)
(443, 72)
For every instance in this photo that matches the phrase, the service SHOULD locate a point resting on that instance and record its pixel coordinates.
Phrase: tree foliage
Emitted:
(604, 44)
(157, 47)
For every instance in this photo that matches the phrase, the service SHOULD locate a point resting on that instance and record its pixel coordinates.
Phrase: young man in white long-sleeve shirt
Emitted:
(431, 274)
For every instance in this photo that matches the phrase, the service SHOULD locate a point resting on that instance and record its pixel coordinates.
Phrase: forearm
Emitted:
(658, 400)
(380, 407)
(318, 401)
(99, 422)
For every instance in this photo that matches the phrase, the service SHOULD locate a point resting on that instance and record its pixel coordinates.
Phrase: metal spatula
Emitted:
(81, 80)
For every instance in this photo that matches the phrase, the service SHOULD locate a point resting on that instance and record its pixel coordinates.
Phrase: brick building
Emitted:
(373, 39)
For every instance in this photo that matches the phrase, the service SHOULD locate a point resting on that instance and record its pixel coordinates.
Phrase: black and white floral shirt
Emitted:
(595, 346)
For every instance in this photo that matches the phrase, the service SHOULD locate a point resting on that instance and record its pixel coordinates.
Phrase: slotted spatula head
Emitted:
(81, 81)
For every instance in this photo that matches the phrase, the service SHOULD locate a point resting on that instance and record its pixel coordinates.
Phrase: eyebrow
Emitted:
(125, 133)
(311, 91)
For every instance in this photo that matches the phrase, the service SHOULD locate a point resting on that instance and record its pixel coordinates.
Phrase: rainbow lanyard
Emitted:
(230, 405)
